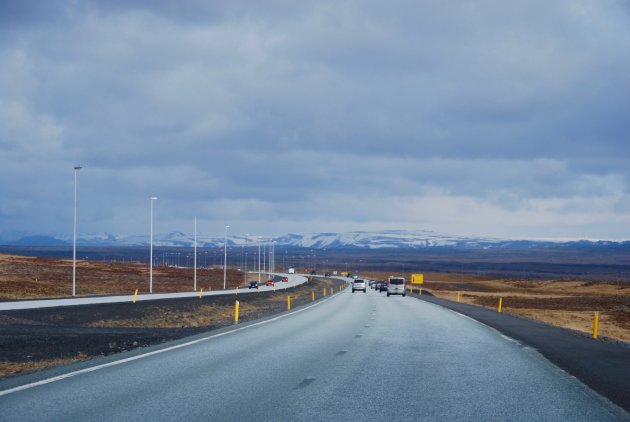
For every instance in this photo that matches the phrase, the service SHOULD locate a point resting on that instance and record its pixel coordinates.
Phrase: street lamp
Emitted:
(153, 198)
(258, 238)
(195, 260)
(74, 236)
(225, 257)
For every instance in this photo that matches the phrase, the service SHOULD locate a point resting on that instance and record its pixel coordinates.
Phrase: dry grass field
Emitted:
(569, 303)
(24, 277)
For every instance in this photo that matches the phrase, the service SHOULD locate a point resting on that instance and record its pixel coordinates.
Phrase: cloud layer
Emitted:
(476, 118)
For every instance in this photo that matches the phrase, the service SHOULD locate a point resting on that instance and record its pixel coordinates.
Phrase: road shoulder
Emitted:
(600, 364)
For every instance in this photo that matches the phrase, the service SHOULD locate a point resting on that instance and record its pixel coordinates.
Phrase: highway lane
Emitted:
(294, 280)
(351, 357)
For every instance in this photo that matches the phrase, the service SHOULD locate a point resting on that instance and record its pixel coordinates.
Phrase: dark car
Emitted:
(382, 286)
(253, 284)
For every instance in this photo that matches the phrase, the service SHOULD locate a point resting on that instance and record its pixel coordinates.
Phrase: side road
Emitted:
(294, 281)
(602, 365)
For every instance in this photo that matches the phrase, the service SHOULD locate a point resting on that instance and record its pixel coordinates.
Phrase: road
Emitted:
(353, 356)
(294, 280)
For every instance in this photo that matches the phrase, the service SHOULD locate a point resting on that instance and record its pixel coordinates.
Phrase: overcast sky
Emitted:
(489, 117)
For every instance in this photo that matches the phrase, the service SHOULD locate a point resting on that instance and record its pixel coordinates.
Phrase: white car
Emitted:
(358, 284)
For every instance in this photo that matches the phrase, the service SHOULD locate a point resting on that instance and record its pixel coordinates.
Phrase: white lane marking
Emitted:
(155, 352)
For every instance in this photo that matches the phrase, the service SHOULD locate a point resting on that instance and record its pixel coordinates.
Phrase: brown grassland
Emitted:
(568, 303)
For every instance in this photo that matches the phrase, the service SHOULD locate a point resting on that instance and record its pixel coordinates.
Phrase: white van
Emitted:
(396, 286)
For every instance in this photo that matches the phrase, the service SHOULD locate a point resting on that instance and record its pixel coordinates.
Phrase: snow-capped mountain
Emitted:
(418, 239)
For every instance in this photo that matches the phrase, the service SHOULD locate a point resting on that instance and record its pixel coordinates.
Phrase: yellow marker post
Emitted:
(458, 296)
(312, 296)
(324, 291)
(236, 312)
(288, 303)
(500, 308)
(135, 296)
(596, 325)
(201, 293)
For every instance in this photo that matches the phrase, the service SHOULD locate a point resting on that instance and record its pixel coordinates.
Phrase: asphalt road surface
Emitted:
(360, 356)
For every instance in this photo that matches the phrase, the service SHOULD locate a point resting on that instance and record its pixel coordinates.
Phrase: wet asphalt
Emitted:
(360, 356)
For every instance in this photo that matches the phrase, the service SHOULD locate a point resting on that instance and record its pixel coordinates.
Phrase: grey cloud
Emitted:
(283, 102)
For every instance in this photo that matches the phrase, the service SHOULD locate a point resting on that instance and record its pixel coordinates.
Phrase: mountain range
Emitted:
(402, 239)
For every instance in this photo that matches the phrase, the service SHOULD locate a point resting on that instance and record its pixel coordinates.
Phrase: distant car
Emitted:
(358, 284)
(284, 279)
(270, 283)
(313, 272)
(253, 284)
(327, 275)
(396, 286)
(381, 286)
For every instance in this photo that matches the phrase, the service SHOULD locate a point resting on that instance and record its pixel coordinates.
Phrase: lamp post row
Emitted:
(152, 199)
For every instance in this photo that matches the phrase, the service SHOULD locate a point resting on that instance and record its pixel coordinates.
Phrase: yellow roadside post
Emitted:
(135, 296)
(500, 308)
(596, 325)
(313, 296)
(201, 293)
(288, 303)
(458, 296)
(236, 312)
(324, 291)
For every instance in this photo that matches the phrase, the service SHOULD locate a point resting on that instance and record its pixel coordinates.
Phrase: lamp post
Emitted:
(258, 260)
(195, 260)
(74, 236)
(153, 198)
(244, 250)
(225, 257)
